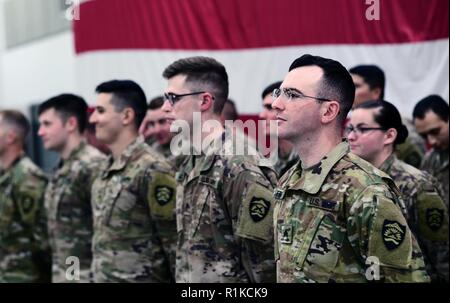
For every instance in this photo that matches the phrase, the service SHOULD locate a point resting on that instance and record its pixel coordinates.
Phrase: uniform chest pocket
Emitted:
(320, 242)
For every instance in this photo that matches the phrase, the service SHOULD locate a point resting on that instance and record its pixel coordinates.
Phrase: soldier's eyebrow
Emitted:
(433, 131)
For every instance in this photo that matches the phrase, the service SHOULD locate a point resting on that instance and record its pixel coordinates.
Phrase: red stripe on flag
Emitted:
(242, 24)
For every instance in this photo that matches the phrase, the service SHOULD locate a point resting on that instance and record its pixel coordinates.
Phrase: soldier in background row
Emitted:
(369, 83)
(63, 120)
(24, 251)
(375, 129)
(134, 196)
(156, 128)
(431, 122)
(287, 156)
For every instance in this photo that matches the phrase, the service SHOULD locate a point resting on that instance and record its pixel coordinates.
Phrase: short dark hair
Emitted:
(18, 121)
(66, 106)
(434, 103)
(372, 75)
(155, 103)
(204, 72)
(336, 84)
(269, 89)
(126, 93)
(388, 117)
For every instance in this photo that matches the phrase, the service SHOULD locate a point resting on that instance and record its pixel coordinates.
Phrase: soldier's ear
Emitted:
(329, 111)
(128, 116)
(71, 124)
(390, 136)
(11, 136)
(207, 102)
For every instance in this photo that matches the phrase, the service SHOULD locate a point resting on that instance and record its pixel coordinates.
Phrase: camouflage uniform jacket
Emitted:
(427, 215)
(437, 164)
(175, 160)
(24, 252)
(409, 153)
(134, 220)
(224, 216)
(337, 218)
(69, 212)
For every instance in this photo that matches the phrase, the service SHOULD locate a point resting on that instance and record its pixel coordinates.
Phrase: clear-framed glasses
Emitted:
(292, 93)
(359, 130)
(174, 98)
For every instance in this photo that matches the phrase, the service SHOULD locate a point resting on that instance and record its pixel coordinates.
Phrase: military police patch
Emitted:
(393, 234)
(435, 218)
(258, 208)
(163, 194)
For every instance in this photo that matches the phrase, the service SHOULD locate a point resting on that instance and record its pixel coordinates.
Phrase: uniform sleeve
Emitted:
(432, 217)
(161, 199)
(30, 202)
(250, 198)
(378, 232)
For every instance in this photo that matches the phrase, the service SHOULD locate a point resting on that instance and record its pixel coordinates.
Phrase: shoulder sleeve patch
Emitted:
(390, 237)
(256, 214)
(433, 217)
(161, 195)
(28, 205)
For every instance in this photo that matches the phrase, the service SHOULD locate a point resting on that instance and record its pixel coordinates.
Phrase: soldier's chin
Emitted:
(101, 139)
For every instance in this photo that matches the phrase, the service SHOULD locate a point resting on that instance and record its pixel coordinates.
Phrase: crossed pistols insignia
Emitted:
(259, 208)
(163, 194)
(393, 234)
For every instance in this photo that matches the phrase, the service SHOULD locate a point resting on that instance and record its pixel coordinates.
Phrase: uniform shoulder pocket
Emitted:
(432, 216)
(255, 219)
(161, 196)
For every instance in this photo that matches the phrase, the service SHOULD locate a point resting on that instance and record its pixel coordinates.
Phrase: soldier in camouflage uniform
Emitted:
(287, 156)
(24, 253)
(224, 203)
(156, 130)
(369, 83)
(63, 121)
(431, 122)
(337, 218)
(134, 197)
(376, 128)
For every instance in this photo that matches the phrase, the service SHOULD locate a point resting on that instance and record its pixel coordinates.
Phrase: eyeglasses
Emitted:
(174, 98)
(359, 130)
(292, 93)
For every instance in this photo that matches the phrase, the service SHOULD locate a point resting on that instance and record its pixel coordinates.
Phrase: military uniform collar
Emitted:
(311, 179)
(195, 164)
(124, 158)
(64, 165)
(443, 158)
(387, 164)
(5, 173)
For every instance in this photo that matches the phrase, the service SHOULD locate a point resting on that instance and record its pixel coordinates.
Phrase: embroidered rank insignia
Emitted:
(393, 234)
(258, 208)
(435, 218)
(286, 233)
(163, 194)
